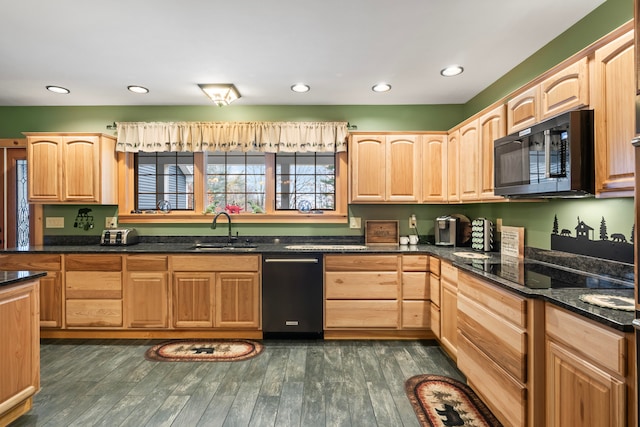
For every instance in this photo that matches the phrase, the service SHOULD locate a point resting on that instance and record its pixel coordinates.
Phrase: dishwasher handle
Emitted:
(296, 260)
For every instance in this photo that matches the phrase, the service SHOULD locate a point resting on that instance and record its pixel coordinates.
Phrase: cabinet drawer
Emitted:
(506, 397)
(94, 312)
(503, 342)
(147, 263)
(361, 285)
(96, 285)
(604, 346)
(511, 307)
(215, 262)
(361, 314)
(434, 286)
(449, 273)
(434, 266)
(361, 263)
(33, 262)
(415, 285)
(93, 262)
(416, 314)
(435, 320)
(415, 263)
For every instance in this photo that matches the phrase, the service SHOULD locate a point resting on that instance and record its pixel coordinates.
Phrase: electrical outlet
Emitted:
(355, 222)
(54, 222)
(498, 225)
(413, 221)
(111, 222)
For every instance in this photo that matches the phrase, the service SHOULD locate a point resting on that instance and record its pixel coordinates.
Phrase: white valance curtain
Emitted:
(268, 137)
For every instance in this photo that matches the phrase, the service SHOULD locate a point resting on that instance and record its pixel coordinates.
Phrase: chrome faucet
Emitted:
(215, 221)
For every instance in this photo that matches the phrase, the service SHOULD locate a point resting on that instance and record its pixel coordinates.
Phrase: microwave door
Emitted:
(512, 164)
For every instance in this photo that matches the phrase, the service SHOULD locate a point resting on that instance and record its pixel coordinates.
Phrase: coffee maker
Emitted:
(450, 230)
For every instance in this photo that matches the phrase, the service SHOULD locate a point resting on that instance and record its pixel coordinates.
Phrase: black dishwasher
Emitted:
(292, 295)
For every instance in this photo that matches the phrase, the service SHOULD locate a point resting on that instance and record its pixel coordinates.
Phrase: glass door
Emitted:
(17, 215)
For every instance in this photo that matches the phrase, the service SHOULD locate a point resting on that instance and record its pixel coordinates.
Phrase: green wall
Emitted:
(537, 217)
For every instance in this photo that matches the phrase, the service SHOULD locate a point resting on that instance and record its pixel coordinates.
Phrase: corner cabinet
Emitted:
(384, 168)
(71, 168)
(614, 106)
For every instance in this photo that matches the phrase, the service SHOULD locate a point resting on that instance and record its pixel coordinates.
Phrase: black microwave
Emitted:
(551, 159)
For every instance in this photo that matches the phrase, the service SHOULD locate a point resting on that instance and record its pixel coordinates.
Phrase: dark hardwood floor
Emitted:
(292, 383)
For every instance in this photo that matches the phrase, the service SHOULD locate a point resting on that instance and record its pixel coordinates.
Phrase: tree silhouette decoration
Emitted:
(555, 224)
(603, 230)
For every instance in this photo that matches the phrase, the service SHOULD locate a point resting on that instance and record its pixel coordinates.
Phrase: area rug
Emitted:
(442, 401)
(204, 350)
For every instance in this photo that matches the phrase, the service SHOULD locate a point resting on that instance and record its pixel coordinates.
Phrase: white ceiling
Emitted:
(339, 47)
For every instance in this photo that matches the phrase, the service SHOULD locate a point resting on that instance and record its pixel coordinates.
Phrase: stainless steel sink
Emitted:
(222, 246)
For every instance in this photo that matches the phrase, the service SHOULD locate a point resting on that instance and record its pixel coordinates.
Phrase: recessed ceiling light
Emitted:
(452, 70)
(138, 89)
(58, 89)
(300, 88)
(381, 87)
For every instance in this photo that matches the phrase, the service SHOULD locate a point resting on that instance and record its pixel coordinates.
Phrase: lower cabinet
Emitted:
(449, 308)
(192, 299)
(416, 303)
(587, 371)
(51, 287)
(237, 300)
(146, 291)
(434, 286)
(19, 349)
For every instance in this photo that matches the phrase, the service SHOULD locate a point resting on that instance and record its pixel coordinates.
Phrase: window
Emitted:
(164, 176)
(305, 181)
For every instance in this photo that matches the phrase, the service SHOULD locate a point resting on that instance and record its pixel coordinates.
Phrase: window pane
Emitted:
(236, 179)
(164, 176)
(305, 181)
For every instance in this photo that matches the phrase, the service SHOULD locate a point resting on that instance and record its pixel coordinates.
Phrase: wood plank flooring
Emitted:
(292, 383)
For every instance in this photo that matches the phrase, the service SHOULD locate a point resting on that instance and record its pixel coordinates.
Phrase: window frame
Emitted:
(126, 197)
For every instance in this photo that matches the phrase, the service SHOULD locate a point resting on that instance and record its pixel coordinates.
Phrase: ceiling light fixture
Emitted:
(138, 89)
(452, 70)
(381, 87)
(221, 94)
(300, 88)
(58, 89)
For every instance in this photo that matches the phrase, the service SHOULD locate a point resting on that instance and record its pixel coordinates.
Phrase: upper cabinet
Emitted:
(71, 168)
(491, 126)
(565, 90)
(434, 168)
(469, 162)
(453, 160)
(385, 168)
(613, 91)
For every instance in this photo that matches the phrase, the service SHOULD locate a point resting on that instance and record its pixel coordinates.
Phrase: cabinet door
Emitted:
(492, 126)
(44, 157)
(193, 299)
(579, 393)
(434, 168)
(237, 300)
(402, 168)
(522, 110)
(453, 149)
(469, 162)
(614, 109)
(367, 168)
(565, 90)
(449, 318)
(146, 300)
(81, 165)
(51, 300)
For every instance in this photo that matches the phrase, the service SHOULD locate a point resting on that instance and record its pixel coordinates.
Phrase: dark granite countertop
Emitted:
(568, 298)
(8, 278)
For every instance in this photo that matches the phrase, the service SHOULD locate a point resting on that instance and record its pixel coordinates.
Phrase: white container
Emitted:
(413, 239)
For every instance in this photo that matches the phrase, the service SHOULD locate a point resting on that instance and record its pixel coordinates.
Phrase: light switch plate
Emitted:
(54, 222)
(111, 222)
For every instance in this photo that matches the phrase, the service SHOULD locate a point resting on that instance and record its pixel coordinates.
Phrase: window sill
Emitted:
(193, 218)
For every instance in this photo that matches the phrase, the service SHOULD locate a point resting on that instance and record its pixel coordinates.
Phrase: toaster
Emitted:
(119, 237)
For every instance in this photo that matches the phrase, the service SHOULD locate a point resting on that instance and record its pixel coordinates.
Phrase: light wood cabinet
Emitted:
(192, 295)
(146, 291)
(586, 371)
(434, 167)
(19, 349)
(564, 90)
(237, 300)
(385, 168)
(93, 291)
(449, 308)
(614, 110)
(51, 290)
(72, 168)
(469, 162)
(453, 165)
(416, 300)
(492, 125)
(434, 294)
